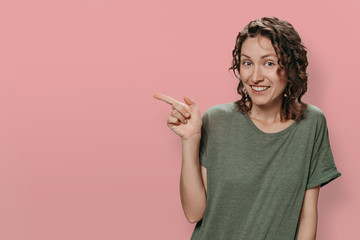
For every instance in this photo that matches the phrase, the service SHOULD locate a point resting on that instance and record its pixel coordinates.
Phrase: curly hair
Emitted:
(292, 58)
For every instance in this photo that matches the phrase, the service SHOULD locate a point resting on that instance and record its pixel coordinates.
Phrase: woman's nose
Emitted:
(257, 75)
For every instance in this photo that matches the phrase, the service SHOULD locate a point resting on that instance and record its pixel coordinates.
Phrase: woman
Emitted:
(252, 169)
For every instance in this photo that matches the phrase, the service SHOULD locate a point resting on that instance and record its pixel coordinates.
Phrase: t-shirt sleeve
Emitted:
(203, 140)
(322, 166)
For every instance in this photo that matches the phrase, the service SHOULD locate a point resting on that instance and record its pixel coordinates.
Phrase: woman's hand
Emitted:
(184, 126)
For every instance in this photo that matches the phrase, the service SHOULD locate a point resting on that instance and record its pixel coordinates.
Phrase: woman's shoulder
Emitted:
(314, 113)
(220, 109)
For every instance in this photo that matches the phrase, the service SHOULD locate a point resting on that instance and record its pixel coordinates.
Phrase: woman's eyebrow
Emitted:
(264, 56)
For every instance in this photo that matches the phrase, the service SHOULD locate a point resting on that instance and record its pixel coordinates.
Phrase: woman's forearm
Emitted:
(192, 189)
(307, 227)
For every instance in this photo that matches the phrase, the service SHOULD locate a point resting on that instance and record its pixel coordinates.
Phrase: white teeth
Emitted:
(259, 88)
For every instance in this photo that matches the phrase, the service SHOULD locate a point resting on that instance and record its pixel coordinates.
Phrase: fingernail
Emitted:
(185, 121)
(187, 114)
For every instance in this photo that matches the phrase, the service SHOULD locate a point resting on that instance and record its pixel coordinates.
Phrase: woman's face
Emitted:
(258, 66)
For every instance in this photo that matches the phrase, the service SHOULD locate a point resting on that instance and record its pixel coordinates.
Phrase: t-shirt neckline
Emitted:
(258, 130)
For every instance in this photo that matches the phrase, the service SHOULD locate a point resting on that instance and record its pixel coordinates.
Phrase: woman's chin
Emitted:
(257, 101)
(260, 103)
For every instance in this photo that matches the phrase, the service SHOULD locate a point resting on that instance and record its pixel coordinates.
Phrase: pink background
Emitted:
(85, 150)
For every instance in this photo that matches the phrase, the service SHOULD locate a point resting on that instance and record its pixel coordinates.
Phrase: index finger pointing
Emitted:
(164, 98)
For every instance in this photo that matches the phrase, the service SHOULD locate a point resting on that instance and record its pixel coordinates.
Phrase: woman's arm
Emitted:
(192, 190)
(309, 215)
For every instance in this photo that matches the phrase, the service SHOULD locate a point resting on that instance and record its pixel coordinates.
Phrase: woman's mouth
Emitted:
(259, 90)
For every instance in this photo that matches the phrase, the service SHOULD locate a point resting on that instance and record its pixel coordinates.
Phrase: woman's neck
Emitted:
(266, 114)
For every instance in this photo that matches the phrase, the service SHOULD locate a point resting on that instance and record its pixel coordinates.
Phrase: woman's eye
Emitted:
(245, 63)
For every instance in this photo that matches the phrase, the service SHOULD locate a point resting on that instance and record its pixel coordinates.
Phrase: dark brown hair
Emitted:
(292, 58)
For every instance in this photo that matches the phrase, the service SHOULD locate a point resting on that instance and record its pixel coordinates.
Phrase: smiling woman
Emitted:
(269, 52)
(265, 157)
(253, 168)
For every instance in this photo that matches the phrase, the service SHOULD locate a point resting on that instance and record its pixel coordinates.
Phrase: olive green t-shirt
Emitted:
(256, 181)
